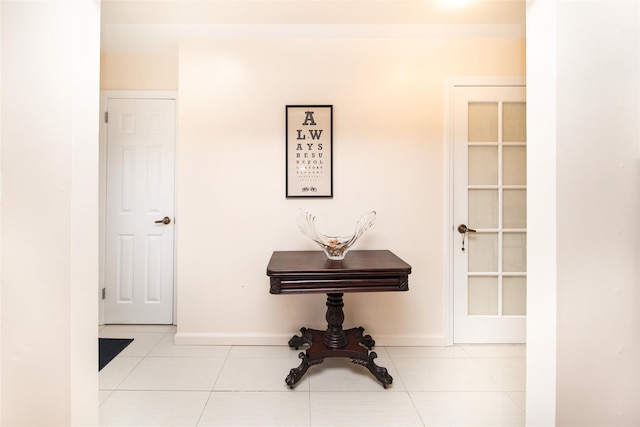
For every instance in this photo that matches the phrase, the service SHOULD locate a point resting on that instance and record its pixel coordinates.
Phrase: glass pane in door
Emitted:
(483, 296)
(483, 122)
(483, 165)
(514, 165)
(483, 209)
(514, 252)
(514, 122)
(514, 296)
(514, 208)
(483, 252)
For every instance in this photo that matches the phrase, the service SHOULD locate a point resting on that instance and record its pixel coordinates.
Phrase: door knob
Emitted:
(166, 220)
(462, 228)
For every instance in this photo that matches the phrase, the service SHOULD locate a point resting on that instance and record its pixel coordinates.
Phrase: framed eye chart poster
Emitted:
(309, 159)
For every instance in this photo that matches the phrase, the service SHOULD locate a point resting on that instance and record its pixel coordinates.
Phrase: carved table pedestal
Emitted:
(301, 272)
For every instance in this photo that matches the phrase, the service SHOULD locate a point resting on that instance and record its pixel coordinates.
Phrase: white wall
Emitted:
(389, 101)
(584, 151)
(1, 38)
(49, 146)
(541, 213)
(598, 171)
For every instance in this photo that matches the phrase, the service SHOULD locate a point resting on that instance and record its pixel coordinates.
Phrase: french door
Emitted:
(489, 214)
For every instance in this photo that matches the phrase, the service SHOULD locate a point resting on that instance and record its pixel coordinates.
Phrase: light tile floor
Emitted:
(156, 383)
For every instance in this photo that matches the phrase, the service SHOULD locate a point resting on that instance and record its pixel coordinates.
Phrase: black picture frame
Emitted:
(309, 151)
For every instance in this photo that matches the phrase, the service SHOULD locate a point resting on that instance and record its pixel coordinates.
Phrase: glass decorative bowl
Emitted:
(336, 247)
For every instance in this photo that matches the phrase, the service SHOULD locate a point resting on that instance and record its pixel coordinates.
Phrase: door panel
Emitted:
(140, 193)
(489, 164)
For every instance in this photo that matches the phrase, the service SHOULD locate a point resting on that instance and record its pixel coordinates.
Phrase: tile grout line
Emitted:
(204, 408)
(413, 403)
(502, 389)
(415, 407)
(226, 358)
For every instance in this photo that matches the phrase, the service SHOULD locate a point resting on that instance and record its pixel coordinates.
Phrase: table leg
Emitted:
(304, 338)
(379, 372)
(336, 342)
(334, 336)
(366, 340)
(296, 373)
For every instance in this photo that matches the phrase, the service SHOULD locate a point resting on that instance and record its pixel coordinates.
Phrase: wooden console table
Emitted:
(303, 272)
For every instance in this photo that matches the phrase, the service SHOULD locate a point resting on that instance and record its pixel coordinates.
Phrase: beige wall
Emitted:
(389, 155)
(119, 71)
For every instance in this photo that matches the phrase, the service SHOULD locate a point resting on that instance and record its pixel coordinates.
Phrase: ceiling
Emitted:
(155, 26)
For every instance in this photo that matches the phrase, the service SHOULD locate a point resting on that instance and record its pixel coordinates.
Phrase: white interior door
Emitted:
(489, 214)
(139, 252)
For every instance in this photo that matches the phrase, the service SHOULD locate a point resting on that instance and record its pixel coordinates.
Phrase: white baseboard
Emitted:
(203, 338)
(410, 340)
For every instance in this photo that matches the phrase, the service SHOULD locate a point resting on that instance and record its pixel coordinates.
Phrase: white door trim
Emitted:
(450, 85)
(105, 95)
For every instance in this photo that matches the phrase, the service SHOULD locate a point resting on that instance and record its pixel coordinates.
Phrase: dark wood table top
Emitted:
(359, 271)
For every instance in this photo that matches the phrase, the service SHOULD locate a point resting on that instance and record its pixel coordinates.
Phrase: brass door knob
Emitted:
(462, 229)
(166, 220)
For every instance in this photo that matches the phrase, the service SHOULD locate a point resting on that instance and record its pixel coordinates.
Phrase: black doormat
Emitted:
(108, 348)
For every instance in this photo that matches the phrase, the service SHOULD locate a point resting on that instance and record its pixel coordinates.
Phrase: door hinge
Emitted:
(104, 293)
(106, 117)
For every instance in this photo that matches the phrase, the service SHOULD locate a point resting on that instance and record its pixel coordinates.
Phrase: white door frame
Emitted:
(449, 236)
(105, 95)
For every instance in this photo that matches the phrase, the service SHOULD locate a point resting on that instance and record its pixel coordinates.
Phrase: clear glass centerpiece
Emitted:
(336, 247)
